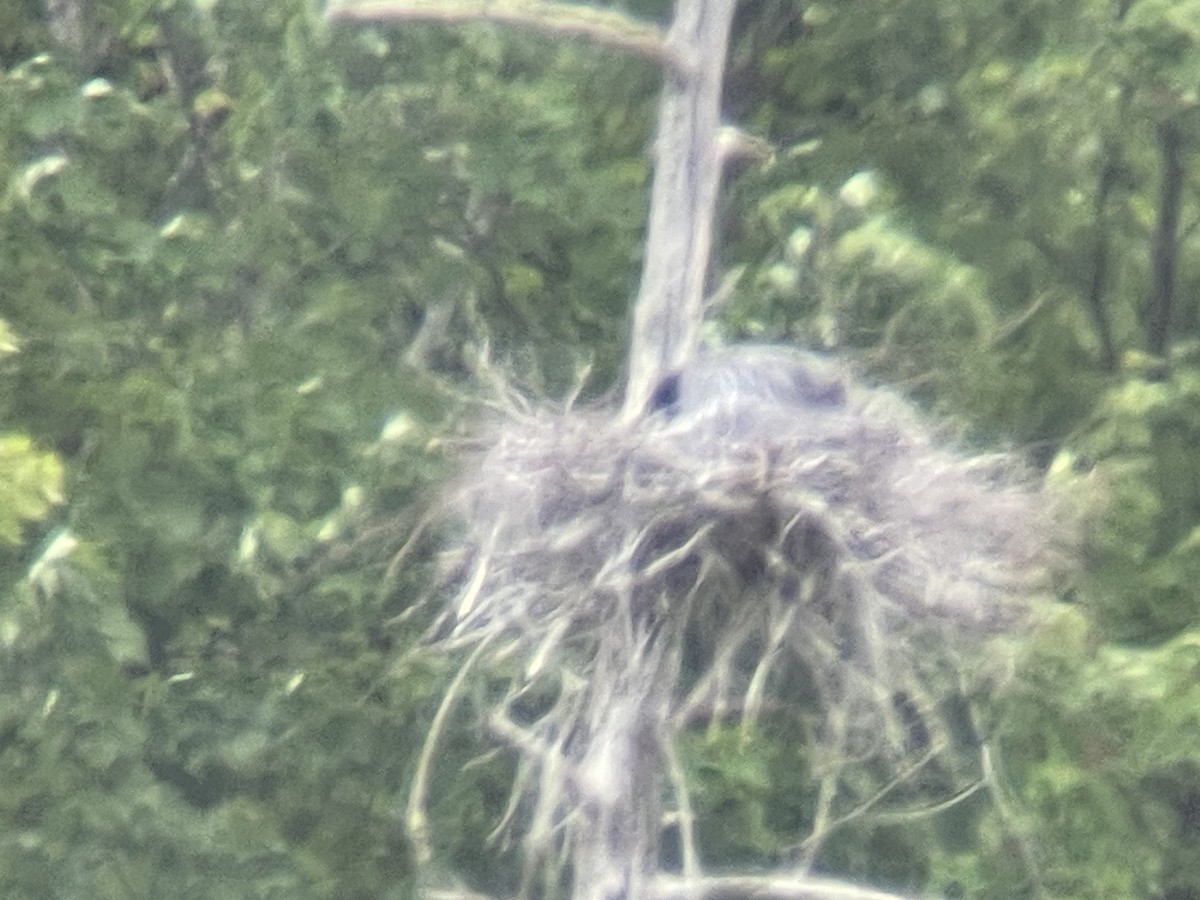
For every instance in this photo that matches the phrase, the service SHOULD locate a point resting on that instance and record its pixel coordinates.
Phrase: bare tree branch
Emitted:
(732, 887)
(606, 27)
(761, 887)
(687, 176)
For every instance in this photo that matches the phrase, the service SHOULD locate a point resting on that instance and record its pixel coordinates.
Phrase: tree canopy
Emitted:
(261, 274)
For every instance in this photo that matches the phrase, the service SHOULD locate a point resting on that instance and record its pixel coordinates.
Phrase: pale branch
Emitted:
(731, 887)
(761, 887)
(606, 27)
(669, 309)
(416, 820)
(685, 816)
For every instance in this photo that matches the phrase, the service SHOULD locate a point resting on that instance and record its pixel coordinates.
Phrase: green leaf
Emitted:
(31, 484)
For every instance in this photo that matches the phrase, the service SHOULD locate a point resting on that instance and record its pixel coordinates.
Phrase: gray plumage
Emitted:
(748, 391)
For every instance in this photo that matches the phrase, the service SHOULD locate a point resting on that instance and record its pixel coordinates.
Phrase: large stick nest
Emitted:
(766, 512)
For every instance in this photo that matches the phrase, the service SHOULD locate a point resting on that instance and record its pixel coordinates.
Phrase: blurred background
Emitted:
(249, 264)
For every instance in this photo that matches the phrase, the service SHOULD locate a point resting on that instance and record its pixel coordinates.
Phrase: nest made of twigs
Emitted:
(834, 502)
(765, 503)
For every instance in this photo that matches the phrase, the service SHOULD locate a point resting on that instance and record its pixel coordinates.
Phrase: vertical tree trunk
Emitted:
(616, 851)
(687, 176)
(1098, 285)
(1165, 249)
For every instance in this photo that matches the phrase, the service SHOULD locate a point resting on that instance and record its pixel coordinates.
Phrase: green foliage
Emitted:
(251, 259)
(30, 483)
(245, 255)
(1022, 145)
(1000, 269)
(1136, 458)
(735, 777)
(848, 276)
(1095, 742)
(1159, 43)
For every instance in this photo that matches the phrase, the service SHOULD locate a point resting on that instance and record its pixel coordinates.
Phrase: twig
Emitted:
(685, 815)
(761, 887)
(605, 27)
(415, 820)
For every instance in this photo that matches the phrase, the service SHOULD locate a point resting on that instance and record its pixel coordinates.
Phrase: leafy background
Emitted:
(249, 263)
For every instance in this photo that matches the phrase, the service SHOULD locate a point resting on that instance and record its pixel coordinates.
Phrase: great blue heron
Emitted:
(744, 392)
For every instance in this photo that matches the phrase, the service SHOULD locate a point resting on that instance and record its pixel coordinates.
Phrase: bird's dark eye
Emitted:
(666, 396)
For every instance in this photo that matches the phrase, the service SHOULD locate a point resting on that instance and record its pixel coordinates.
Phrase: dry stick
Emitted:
(864, 808)
(1008, 816)
(685, 816)
(415, 819)
(826, 794)
(606, 27)
(753, 887)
